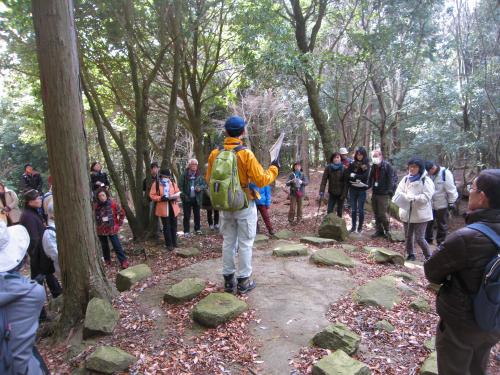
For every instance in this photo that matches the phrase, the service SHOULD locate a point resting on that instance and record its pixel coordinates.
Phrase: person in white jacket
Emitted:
(49, 240)
(414, 199)
(443, 201)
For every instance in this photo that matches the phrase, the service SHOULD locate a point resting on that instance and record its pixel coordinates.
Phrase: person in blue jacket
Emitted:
(263, 202)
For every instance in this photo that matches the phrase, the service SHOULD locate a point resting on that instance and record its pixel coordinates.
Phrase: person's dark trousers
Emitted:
(213, 217)
(52, 283)
(170, 229)
(463, 349)
(380, 204)
(441, 218)
(358, 198)
(186, 207)
(264, 212)
(117, 246)
(333, 200)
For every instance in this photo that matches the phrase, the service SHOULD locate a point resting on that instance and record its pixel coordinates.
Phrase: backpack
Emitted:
(6, 358)
(486, 301)
(225, 188)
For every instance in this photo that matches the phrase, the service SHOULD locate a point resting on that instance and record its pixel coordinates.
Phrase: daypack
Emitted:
(225, 188)
(486, 301)
(6, 358)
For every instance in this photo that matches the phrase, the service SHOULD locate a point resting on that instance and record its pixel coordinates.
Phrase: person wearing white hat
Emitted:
(21, 301)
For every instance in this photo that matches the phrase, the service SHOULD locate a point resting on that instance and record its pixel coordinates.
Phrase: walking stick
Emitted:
(319, 206)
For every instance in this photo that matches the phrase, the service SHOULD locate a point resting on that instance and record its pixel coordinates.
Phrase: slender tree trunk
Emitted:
(79, 254)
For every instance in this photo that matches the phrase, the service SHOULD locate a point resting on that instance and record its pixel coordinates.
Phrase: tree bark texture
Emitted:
(79, 252)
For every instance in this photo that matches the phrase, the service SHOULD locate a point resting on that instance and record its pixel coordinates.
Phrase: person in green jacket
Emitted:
(192, 184)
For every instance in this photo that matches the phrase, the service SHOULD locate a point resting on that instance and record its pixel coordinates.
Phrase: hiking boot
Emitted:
(272, 232)
(124, 264)
(199, 232)
(352, 230)
(211, 227)
(411, 257)
(229, 283)
(245, 285)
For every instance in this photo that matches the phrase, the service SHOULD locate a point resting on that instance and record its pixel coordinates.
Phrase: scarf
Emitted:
(336, 167)
(414, 178)
(297, 174)
(105, 209)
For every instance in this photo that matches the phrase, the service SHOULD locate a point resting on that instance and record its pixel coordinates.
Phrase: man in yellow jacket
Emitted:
(238, 228)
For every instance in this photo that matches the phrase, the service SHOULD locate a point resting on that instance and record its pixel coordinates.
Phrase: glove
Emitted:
(451, 206)
(277, 163)
(353, 175)
(164, 199)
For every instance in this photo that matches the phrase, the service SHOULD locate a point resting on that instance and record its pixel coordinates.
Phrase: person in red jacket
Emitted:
(109, 218)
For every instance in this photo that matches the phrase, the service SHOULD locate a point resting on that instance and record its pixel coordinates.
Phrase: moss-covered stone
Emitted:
(108, 360)
(431, 343)
(218, 308)
(188, 252)
(317, 241)
(332, 257)
(339, 363)
(337, 336)
(420, 304)
(100, 318)
(184, 291)
(289, 250)
(126, 278)
(381, 292)
(284, 234)
(333, 227)
(429, 367)
(384, 325)
(383, 255)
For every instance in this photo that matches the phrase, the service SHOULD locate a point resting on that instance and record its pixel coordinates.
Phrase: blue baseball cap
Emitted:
(235, 125)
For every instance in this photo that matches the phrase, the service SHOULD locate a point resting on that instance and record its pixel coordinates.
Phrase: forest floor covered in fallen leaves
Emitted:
(165, 340)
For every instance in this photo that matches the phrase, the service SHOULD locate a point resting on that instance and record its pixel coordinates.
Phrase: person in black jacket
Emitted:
(98, 178)
(383, 182)
(31, 179)
(358, 177)
(336, 175)
(459, 263)
(41, 266)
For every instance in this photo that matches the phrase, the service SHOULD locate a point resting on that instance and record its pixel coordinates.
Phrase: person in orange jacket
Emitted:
(239, 228)
(165, 193)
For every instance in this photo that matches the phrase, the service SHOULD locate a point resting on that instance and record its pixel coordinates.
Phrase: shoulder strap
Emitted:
(239, 148)
(487, 231)
(443, 175)
(50, 228)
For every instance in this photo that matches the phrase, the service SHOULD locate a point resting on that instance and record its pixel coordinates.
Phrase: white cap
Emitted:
(343, 151)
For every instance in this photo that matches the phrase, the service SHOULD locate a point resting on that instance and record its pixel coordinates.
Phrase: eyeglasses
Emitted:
(470, 189)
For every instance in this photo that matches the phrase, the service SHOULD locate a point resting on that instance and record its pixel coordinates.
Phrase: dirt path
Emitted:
(290, 301)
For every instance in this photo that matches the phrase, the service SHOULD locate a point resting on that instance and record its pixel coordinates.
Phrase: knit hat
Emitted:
(165, 172)
(235, 126)
(14, 242)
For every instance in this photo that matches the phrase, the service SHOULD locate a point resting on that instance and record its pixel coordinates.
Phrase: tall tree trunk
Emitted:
(82, 272)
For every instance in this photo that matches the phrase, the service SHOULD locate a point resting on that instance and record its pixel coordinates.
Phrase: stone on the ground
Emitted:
(405, 276)
(284, 234)
(431, 343)
(125, 279)
(420, 304)
(318, 241)
(184, 291)
(396, 236)
(383, 255)
(332, 257)
(429, 367)
(339, 363)
(384, 325)
(79, 371)
(217, 308)
(381, 292)
(187, 252)
(100, 318)
(348, 247)
(108, 360)
(289, 250)
(337, 336)
(333, 227)
(261, 238)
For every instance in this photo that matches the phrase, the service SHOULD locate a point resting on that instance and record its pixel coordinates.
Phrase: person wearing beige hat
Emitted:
(9, 210)
(21, 301)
